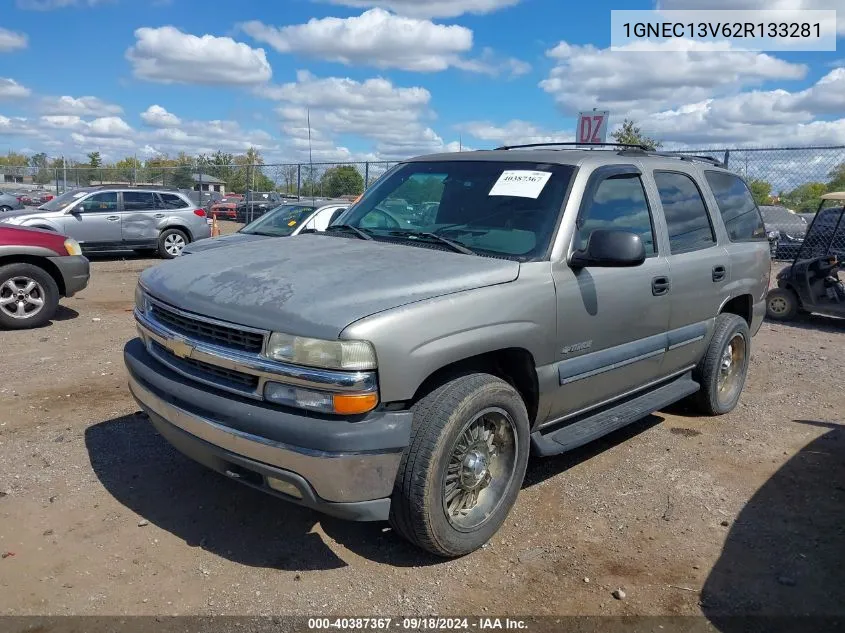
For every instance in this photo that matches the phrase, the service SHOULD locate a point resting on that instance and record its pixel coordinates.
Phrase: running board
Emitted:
(594, 425)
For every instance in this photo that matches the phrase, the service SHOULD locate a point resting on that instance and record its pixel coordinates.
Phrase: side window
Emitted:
(618, 203)
(139, 201)
(106, 201)
(736, 205)
(172, 201)
(686, 214)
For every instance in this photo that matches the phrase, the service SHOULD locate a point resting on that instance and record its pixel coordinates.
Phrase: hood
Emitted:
(25, 212)
(317, 284)
(200, 246)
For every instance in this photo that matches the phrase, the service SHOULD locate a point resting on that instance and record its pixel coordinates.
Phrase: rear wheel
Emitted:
(781, 304)
(171, 242)
(722, 371)
(4, 209)
(28, 296)
(463, 469)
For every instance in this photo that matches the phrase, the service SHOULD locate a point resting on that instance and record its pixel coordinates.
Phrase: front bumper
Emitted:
(76, 272)
(338, 467)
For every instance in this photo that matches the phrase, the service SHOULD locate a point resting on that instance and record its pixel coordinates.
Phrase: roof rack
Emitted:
(130, 186)
(574, 145)
(687, 157)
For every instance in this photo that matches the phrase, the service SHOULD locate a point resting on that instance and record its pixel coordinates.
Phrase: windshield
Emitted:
(64, 200)
(496, 208)
(280, 221)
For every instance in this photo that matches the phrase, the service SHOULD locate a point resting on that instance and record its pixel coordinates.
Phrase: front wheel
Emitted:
(5, 209)
(463, 469)
(171, 242)
(781, 304)
(28, 296)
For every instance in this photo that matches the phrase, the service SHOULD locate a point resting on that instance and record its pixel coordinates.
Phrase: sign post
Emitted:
(592, 127)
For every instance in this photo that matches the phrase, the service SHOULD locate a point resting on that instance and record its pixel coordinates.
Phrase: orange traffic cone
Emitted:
(215, 228)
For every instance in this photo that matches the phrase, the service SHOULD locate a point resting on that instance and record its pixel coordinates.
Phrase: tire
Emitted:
(443, 447)
(721, 385)
(782, 304)
(5, 209)
(31, 285)
(171, 242)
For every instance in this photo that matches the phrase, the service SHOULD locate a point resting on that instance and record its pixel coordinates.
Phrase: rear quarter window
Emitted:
(172, 201)
(737, 207)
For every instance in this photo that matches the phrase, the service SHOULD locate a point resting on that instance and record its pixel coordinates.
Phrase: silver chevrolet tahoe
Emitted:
(405, 363)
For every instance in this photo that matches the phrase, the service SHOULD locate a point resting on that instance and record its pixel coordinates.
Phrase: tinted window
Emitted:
(100, 202)
(736, 204)
(138, 201)
(172, 201)
(618, 203)
(686, 216)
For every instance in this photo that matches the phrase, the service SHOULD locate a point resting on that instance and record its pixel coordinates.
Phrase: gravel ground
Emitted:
(741, 514)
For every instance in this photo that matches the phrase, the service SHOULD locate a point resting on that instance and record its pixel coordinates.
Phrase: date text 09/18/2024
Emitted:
(416, 624)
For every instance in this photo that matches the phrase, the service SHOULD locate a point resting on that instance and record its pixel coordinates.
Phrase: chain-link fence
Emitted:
(788, 183)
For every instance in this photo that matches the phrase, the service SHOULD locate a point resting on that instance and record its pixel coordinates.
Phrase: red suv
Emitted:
(37, 267)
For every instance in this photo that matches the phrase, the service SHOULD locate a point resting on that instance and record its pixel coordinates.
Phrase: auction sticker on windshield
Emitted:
(520, 183)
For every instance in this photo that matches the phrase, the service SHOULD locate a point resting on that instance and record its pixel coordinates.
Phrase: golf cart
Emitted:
(811, 283)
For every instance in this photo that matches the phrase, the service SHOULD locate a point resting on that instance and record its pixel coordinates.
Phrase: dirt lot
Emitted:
(98, 515)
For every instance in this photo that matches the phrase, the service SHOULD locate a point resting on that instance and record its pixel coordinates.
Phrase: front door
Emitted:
(95, 222)
(611, 322)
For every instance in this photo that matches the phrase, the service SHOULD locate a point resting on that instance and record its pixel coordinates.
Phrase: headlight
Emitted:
(72, 247)
(351, 355)
(773, 235)
(338, 403)
(140, 299)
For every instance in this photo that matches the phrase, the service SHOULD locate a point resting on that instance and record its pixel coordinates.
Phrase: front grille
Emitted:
(209, 373)
(208, 332)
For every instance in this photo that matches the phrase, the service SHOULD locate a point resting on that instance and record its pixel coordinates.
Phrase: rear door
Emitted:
(699, 267)
(142, 214)
(95, 221)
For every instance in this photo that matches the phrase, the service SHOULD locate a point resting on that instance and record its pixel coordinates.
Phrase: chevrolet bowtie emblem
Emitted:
(179, 347)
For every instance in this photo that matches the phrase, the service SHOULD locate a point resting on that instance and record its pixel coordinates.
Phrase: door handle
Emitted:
(719, 273)
(660, 286)
(113, 218)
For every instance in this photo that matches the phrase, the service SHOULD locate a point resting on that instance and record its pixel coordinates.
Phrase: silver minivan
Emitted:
(103, 219)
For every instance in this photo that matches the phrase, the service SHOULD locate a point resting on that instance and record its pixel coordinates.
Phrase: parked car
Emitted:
(375, 372)
(106, 219)
(284, 221)
(224, 210)
(9, 202)
(37, 268)
(257, 203)
(45, 196)
(784, 229)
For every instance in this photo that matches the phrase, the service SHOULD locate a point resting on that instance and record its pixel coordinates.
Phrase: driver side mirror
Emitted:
(610, 248)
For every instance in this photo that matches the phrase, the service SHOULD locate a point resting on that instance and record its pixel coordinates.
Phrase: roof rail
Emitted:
(573, 145)
(124, 185)
(686, 157)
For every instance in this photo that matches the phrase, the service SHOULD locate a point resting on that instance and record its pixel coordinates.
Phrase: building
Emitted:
(208, 183)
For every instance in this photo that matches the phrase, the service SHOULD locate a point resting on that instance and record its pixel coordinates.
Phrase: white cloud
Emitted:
(167, 55)
(11, 89)
(156, 116)
(12, 41)
(376, 38)
(514, 132)
(110, 126)
(431, 8)
(17, 126)
(838, 5)
(635, 82)
(83, 106)
(490, 64)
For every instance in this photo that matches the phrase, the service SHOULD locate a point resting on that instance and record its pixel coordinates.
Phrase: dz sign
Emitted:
(592, 127)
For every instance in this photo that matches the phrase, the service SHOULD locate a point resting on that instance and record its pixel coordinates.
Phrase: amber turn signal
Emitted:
(357, 403)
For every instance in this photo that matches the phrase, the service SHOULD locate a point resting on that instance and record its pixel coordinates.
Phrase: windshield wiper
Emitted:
(349, 229)
(433, 237)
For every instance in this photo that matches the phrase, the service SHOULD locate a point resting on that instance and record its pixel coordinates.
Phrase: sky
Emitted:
(387, 79)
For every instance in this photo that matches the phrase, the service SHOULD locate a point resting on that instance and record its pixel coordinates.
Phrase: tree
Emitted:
(631, 134)
(128, 169)
(805, 198)
(44, 174)
(94, 160)
(13, 159)
(761, 190)
(343, 180)
(837, 178)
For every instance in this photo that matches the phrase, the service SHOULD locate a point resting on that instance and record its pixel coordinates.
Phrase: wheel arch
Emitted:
(740, 305)
(178, 227)
(45, 264)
